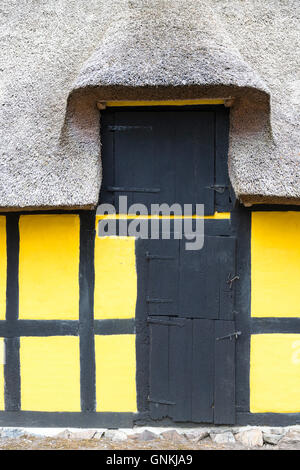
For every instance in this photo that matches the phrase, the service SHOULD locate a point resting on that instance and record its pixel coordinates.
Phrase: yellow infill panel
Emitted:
(2, 360)
(50, 373)
(49, 267)
(275, 264)
(275, 373)
(115, 277)
(3, 266)
(115, 373)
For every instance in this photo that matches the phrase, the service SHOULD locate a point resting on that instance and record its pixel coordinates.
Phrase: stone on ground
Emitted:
(272, 439)
(65, 434)
(223, 438)
(250, 438)
(196, 436)
(147, 436)
(115, 435)
(291, 437)
(83, 434)
(173, 436)
(11, 433)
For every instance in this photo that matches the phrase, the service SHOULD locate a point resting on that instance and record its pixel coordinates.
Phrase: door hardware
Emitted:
(235, 335)
(230, 281)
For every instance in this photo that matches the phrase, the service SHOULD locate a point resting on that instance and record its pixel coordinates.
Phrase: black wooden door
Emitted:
(186, 298)
(192, 284)
(189, 299)
(155, 156)
(192, 370)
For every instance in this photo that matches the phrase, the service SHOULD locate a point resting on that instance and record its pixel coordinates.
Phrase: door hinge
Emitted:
(128, 128)
(161, 402)
(234, 335)
(150, 300)
(149, 257)
(158, 321)
(218, 188)
(121, 189)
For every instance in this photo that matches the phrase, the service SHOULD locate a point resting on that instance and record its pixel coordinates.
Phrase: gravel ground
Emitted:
(50, 443)
(155, 439)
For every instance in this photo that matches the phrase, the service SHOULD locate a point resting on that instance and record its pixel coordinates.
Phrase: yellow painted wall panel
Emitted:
(275, 373)
(275, 264)
(49, 267)
(115, 373)
(50, 373)
(115, 277)
(3, 267)
(2, 360)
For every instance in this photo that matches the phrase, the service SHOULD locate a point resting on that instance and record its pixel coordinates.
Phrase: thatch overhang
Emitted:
(152, 51)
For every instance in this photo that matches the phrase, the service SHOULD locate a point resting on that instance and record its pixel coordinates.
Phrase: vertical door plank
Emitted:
(108, 158)
(159, 369)
(205, 290)
(224, 404)
(181, 371)
(163, 272)
(202, 371)
(224, 197)
(192, 274)
(192, 151)
(227, 271)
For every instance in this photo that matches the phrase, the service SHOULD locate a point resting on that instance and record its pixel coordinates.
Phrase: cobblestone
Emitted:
(215, 438)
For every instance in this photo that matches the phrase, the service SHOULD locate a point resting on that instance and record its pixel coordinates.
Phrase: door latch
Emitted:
(234, 335)
(231, 280)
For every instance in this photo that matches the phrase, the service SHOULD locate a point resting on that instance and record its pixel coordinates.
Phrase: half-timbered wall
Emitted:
(88, 324)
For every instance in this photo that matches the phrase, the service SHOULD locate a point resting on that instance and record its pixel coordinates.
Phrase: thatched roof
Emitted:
(61, 60)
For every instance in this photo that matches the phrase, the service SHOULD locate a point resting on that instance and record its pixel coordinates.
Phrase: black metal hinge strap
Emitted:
(166, 322)
(158, 301)
(161, 402)
(128, 128)
(149, 257)
(116, 189)
(218, 188)
(234, 335)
